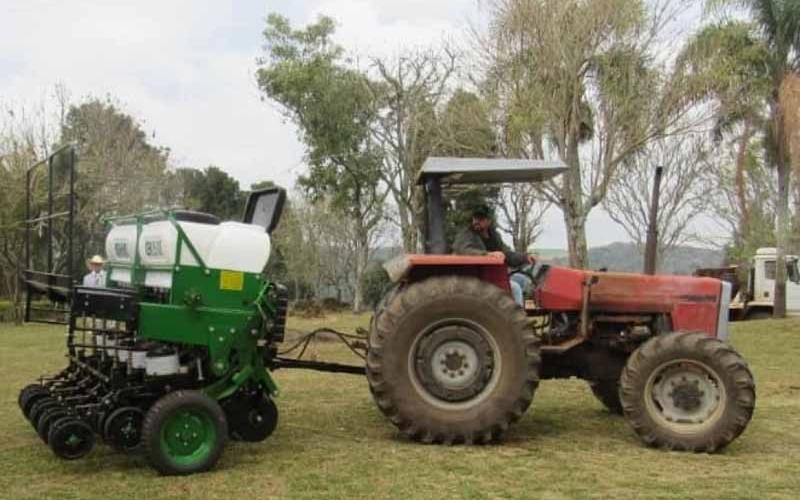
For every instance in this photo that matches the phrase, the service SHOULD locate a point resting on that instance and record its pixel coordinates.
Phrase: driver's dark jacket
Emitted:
(471, 242)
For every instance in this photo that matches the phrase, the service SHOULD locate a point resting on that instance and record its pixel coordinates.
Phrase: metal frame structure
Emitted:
(54, 285)
(437, 172)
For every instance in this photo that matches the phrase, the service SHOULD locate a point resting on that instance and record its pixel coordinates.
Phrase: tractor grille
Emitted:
(278, 329)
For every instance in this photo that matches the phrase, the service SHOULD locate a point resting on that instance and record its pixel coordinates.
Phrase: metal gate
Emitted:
(43, 277)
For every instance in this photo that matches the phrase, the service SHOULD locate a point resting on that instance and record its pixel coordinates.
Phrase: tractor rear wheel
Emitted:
(184, 432)
(452, 360)
(687, 391)
(607, 392)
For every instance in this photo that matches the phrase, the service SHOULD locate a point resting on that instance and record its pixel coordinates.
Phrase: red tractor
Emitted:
(453, 359)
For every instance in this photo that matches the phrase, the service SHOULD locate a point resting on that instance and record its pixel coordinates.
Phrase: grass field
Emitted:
(332, 442)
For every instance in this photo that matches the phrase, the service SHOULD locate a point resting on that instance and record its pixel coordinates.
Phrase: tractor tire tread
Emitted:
(732, 369)
(408, 300)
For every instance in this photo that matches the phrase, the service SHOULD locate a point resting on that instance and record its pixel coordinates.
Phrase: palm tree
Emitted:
(777, 24)
(726, 64)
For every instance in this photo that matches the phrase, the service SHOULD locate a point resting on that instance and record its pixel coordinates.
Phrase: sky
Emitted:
(186, 70)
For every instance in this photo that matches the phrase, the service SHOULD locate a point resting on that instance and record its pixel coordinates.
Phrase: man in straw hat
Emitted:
(96, 276)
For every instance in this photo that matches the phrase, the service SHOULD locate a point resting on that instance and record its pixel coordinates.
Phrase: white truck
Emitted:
(755, 299)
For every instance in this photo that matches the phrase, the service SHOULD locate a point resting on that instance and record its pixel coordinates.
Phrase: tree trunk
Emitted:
(362, 254)
(782, 237)
(572, 207)
(407, 228)
(576, 241)
(739, 181)
(782, 233)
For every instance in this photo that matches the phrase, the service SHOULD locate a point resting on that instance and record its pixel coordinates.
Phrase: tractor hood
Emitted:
(692, 303)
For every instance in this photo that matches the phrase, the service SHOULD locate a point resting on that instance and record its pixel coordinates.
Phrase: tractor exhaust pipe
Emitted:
(651, 243)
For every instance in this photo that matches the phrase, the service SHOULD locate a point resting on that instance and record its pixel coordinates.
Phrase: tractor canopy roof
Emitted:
(488, 171)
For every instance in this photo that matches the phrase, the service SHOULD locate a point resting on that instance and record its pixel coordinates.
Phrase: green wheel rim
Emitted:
(188, 436)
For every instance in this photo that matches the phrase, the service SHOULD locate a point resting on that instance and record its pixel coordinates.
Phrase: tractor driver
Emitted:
(481, 238)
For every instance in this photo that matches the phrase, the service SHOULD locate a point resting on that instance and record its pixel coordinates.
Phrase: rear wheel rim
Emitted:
(454, 364)
(685, 395)
(188, 436)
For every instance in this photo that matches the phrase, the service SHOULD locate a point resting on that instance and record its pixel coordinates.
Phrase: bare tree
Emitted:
(26, 135)
(683, 196)
(407, 90)
(523, 209)
(582, 83)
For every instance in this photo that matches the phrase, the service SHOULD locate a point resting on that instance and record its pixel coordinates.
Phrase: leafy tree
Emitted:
(119, 170)
(726, 65)
(331, 105)
(463, 129)
(579, 80)
(211, 190)
(777, 27)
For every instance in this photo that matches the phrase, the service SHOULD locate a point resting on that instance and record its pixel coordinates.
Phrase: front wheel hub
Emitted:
(686, 392)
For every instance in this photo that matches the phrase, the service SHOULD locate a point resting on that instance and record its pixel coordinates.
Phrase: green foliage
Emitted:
(727, 62)
(464, 130)
(119, 170)
(375, 283)
(211, 190)
(333, 110)
(331, 106)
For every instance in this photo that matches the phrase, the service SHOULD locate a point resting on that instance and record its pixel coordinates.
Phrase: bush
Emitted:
(306, 309)
(374, 283)
(6, 311)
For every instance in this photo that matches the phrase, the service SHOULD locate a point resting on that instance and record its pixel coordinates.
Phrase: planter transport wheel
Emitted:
(184, 432)
(687, 391)
(122, 429)
(46, 421)
(70, 438)
(256, 421)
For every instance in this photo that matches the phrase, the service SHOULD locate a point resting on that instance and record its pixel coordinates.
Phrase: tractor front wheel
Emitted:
(184, 432)
(687, 391)
(452, 360)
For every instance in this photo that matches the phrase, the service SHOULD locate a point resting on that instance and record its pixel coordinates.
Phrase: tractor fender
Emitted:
(417, 267)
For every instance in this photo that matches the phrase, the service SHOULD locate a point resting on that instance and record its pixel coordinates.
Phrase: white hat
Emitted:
(96, 260)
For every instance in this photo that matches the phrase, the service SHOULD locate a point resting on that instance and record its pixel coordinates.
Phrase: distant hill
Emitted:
(628, 257)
